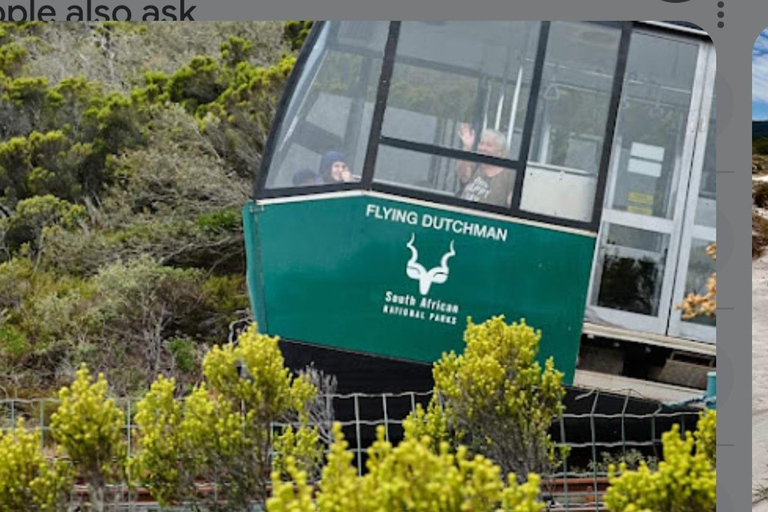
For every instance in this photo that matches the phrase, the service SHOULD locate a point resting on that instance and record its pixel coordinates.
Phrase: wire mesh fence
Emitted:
(597, 428)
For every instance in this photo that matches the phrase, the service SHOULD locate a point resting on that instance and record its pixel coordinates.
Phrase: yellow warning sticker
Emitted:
(639, 210)
(639, 198)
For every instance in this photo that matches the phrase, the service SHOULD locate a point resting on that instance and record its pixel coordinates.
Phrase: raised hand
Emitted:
(467, 136)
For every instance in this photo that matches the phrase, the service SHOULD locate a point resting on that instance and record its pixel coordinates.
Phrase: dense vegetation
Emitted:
(126, 153)
(760, 137)
(219, 437)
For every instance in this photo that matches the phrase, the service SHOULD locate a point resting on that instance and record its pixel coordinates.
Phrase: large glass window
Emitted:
(463, 86)
(456, 120)
(571, 117)
(488, 184)
(457, 87)
(652, 125)
(630, 269)
(706, 206)
(701, 266)
(324, 135)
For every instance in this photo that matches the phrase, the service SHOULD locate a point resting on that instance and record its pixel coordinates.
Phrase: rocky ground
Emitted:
(760, 374)
(759, 164)
(760, 340)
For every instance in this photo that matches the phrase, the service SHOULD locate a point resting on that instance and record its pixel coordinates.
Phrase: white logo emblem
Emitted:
(426, 278)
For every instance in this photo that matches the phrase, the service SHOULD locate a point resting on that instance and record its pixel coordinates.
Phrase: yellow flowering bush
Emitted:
(88, 426)
(496, 398)
(684, 482)
(222, 433)
(432, 423)
(267, 388)
(163, 464)
(201, 437)
(413, 476)
(301, 444)
(706, 435)
(29, 482)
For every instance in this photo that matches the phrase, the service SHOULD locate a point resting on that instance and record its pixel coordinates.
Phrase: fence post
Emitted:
(653, 432)
(565, 465)
(594, 447)
(357, 434)
(624, 426)
(386, 416)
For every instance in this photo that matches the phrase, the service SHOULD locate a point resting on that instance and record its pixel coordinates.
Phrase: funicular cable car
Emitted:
(419, 173)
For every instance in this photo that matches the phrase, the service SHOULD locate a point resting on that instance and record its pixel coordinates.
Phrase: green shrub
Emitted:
(198, 83)
(172, 439)
(632, 459)
(184, 354)
(32, 216)
(223, 220)
(296, 32)
(223, 434)
(685, 480)
(415, 475)
(497, 399)
(13, 342)
(706, 436)
(89, 428)
(28, 481)
(236, 50)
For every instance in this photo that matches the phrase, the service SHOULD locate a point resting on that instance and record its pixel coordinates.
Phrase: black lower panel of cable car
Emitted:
(597, 422)
(359, 373)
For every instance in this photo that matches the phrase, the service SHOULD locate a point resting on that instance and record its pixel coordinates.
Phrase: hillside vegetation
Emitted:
(126, 153)
(760, 145)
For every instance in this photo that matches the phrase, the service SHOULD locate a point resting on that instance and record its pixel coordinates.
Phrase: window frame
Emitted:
(376, 139)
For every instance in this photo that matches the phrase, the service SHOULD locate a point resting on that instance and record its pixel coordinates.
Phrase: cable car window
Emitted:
(324, 134)
(484, 183)
(706, 207)
(701, 266)
(631, 267)
(452, 80)
(570, 121)
(651, 128)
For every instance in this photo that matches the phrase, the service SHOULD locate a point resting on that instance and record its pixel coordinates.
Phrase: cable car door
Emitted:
(695, 266)
(648, 217)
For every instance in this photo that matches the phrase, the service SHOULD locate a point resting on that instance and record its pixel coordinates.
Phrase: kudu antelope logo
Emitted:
(427, 278)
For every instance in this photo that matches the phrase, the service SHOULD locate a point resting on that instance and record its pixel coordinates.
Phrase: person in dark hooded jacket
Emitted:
(335, 169)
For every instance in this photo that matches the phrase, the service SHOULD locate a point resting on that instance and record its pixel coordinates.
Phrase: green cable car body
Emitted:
(391, 257)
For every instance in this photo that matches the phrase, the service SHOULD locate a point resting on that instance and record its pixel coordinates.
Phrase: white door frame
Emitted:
(677, 326)
(672, 228)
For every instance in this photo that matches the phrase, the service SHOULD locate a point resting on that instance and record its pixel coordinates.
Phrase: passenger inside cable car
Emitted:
(445, 74)
(485, 183)
(335, 169)
(306, 178)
